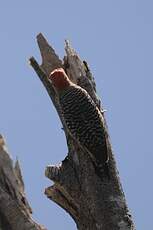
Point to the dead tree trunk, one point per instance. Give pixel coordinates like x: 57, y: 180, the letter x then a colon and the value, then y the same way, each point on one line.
x: 15, y: 212
x: 92, y: 203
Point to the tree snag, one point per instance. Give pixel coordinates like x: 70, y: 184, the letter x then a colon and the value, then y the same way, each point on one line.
x: 92, y: 203
x: 15, y: 211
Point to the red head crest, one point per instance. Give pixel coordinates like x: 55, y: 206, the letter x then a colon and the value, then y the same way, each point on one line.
x: 59, y: 79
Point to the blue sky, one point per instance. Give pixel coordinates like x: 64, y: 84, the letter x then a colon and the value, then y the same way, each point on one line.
x: 116, y: 38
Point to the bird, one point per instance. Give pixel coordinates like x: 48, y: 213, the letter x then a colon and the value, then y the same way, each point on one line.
x: 83, y: 119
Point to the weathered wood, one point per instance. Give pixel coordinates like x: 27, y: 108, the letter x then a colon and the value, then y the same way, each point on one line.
x: 15, y: 211
x: 92, y: 203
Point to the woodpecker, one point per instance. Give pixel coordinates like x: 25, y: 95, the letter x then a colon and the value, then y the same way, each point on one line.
x: 83, y: 119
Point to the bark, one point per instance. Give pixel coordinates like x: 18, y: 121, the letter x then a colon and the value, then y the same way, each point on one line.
x: 92, y: 203
x: 15, y: 211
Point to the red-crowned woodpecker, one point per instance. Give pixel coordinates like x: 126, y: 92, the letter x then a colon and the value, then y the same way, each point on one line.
x: 83, y: 119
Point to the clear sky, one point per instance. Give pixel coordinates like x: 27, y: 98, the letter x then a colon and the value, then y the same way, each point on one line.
x: 116, y: 38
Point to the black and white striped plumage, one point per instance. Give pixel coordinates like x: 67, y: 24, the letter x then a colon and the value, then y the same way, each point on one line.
x: 84, y: 122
